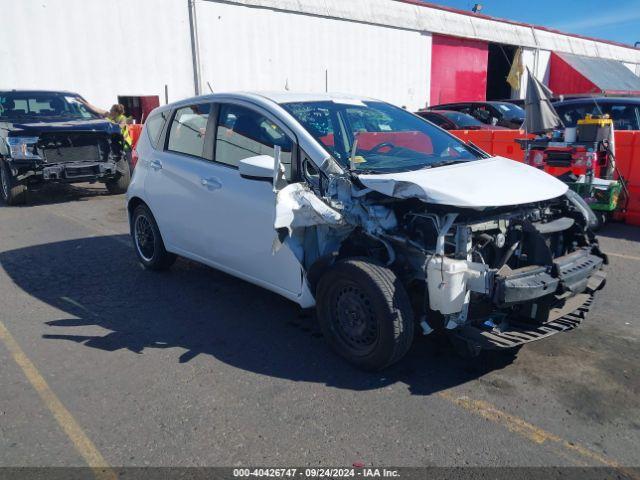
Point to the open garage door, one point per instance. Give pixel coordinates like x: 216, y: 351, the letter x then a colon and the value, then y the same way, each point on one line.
x: 572, y: 74
x: 499, y: 63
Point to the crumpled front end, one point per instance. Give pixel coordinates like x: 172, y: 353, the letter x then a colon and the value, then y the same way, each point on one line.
x: 510, y: 277
x: 65, y: 156
x: 494, y: 277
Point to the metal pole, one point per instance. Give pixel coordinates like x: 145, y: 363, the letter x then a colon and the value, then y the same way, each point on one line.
x: 195, y: 47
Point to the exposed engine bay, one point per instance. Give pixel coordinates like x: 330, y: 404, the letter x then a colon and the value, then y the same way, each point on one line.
x: 484, y: 269
x: 71, y: 156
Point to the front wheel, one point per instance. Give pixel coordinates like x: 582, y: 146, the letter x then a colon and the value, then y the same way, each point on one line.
x: 120, y: 184
x: 147, y: 241
x: 12, y: 193
x: 365, y: 313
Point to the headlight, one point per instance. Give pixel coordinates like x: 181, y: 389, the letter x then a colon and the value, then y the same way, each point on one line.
x: 580, y: 204
x: 23, y: 148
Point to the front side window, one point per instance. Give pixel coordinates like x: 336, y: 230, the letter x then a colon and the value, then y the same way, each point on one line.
x: 243, y: 133
x: 154, y: 125
x: 188, y: 129
x: 389, y: 139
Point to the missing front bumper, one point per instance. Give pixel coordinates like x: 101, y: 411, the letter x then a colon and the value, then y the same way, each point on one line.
x: 78, y: 171
x: 514, y: 332
x: 570, y: 273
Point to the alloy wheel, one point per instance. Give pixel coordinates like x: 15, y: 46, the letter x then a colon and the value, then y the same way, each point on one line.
x: 144, y: 238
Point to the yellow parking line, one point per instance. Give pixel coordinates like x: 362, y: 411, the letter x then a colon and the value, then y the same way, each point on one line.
x: 531, y: 432
x: 628, y: 257
x: 69, y: 425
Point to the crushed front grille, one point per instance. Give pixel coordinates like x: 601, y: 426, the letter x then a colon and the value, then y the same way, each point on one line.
x: 72, y: 172
x: 85, y: 153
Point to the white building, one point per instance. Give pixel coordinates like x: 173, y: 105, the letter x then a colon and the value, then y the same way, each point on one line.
x: 402, y: 51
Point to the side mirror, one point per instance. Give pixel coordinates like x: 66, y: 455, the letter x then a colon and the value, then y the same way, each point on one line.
x: 257, y: 168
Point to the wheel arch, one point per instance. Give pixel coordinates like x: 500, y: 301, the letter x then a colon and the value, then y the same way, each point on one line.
x: 356, y: 245
x: 133, y: 203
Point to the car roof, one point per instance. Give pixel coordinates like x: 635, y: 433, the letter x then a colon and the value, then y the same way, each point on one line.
x: 275, y: 97
x: 443, y: 111
x: 475, y: 102
x: 38, y: 92
x: 603, y: 100
x: 292, y: 97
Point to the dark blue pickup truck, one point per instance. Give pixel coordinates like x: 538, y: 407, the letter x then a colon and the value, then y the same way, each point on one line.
x: 50, y: 136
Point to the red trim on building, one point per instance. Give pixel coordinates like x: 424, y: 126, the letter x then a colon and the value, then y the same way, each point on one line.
x: 565, y: 80
x: 513, y: 22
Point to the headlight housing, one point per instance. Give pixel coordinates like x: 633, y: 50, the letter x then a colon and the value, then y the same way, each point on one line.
x: 23, y: 148
x: 584, y: 208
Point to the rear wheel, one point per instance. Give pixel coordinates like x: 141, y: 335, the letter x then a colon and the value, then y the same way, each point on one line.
x: 12, y: 193
x: 120, y: 184
x: 147, y: 241
x: 365, y: 313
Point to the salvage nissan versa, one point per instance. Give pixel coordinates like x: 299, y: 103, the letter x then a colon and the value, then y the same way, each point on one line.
x: 54, y: 137
x: 382, y: 221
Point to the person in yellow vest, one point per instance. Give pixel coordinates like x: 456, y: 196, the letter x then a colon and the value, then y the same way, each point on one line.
x: 115, y: 115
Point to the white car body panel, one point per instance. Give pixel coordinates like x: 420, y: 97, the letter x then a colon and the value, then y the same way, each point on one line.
x: 492, y: 182
x: 228, y: 224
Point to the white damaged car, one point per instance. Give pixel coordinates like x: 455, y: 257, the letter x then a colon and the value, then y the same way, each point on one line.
x: 385, y: 223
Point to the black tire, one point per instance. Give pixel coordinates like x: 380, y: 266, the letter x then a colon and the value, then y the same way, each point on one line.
x: 147, y: 241
x: 12, y: 193
x: 365, y: 313
x: 603, y: 219
x: 120, y: 184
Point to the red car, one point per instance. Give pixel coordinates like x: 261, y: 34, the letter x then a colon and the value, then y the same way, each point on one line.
x: 450, y: 120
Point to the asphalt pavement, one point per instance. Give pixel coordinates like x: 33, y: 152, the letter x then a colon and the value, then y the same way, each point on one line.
x: 104, y: 363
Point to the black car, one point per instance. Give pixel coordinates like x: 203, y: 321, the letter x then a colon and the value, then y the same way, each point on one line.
x: 55, y: 137
x: 624, y: 111
x: 450, y: 120
x: 503, y: 114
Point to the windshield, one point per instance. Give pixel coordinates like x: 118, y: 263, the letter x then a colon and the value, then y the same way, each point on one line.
x: 625, y: 116
x: 388, y: 138
x: 462, y: 119
x: 23, y: 106
x: 509, y: 110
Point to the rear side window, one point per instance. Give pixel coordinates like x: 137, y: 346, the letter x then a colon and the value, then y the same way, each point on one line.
x: 243, y: 133
x: 188, y: 129
x: 154, y: 125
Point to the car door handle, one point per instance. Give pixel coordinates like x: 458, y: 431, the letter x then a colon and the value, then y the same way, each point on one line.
x: 155, y: 164
x: 211, y: 183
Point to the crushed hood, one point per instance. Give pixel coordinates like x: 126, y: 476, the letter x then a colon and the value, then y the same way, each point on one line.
x: 492, y: 182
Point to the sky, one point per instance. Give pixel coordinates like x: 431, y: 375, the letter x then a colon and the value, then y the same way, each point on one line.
x: 617, y: 20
